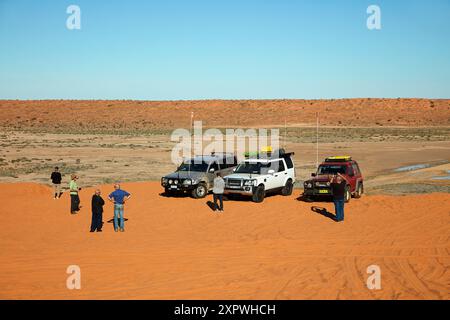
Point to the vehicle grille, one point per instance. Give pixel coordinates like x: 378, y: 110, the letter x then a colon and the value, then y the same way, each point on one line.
x: 323, y: 185
x: 234, y: 182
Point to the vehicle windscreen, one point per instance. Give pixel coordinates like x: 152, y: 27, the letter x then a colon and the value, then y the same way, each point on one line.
x: 252, y: 167
x: 192, y: 166
x: 331, y: 169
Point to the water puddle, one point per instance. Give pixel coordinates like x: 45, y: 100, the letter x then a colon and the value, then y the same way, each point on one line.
x: 412, y: 168
x: 447, y: 177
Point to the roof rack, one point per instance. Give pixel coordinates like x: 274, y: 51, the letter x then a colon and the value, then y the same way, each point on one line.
x: 267, y: 153
x: 338, y: 159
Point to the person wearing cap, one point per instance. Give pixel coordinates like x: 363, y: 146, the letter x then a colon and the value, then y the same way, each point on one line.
x: 119, y: 197
x: 97, y: 211
x: 74, y: 198
x: 56, y: 181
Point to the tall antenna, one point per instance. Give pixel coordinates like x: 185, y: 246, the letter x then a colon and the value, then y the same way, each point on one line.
x: 190, y: 144
x: 317, y: 139
x: 285, y: 132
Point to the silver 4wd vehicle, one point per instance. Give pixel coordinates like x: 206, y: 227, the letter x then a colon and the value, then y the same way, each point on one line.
x: 196, y: 175
x: 257, y: 176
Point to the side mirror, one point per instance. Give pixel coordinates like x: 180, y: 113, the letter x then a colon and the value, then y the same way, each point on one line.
x: 313, y: 174
x: 271, y: 171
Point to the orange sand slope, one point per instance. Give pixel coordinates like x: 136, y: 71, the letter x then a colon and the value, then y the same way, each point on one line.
x: 177, y: 248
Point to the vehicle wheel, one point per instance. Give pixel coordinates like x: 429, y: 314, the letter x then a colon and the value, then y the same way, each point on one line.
x: 348, y: 194
x: 287, y: 189
x: 359, y: 191
x: 200, y: 192
x: 258, y: 195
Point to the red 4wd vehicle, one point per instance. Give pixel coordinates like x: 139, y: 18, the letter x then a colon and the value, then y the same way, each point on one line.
x: 319, y: 184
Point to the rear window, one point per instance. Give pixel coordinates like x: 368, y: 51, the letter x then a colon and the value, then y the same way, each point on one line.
x: 289, y: 162
x: 332, y: 169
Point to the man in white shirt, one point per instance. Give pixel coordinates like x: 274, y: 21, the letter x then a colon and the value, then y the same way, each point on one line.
x: 219, y: 186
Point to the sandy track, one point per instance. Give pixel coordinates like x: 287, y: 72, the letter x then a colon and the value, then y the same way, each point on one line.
x: 178, y: 248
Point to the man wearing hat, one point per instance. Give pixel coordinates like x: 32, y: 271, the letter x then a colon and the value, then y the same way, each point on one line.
x: 74, y: 198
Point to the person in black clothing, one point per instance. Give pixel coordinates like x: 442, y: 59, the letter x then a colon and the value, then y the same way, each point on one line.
x: 338, y: 186
x: 97, y: 211
x: 56, y: 181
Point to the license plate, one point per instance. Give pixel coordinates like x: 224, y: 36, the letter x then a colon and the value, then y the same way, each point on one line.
x: 323, y: 191
x: 173, y: 187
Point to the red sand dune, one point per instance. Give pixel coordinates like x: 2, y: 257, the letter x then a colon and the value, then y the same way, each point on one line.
x: 129, y: 115
x: 177, y: 248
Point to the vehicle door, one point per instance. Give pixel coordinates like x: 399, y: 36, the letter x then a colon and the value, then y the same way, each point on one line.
x: 277, y: 178
x: 351, y: 177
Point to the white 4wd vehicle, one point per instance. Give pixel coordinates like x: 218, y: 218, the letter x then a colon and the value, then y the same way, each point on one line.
x: 258, y: 176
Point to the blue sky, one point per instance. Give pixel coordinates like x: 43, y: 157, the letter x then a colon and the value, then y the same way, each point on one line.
x: 233, y: 49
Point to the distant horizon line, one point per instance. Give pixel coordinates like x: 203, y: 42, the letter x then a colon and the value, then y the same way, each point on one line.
x: 231, y: 99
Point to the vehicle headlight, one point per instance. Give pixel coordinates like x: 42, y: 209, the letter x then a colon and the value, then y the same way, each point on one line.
x: 187, y: 181
x: 317, y: 183
x: 164, y: 180
x: 175, y: 181
x: 328, y: 183
x: 249, y: 182
x: 308, y: 185
x: 170, y: 181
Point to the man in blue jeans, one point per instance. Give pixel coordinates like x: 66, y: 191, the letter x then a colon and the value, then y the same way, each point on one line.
x: 338, y: 186
x: 119, y: 197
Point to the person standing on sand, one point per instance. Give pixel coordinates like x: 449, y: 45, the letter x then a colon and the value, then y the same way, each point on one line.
x: 97, y: 211
x: 218, y: 189
x: 338, y: 185
x: 119, y: 197
x: 56, y: 181
x: 74, y: 198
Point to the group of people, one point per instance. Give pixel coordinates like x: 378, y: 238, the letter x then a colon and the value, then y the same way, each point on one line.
x: 118, y: 197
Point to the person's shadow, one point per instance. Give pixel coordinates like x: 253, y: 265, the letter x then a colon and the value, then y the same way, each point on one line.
x: 112, y: 220
x: 324, y: 212
x: 211, y: 205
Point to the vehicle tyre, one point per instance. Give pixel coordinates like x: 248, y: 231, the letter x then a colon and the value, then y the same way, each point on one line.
x: 359, y: 191
x: 259, y: 194
x: 287, y: 189
x: 348, y: 194
x: 200, y: 191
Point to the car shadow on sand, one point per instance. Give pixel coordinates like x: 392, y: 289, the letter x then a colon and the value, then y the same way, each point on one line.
x: 324, y: 212
x: 302, y: 198
x: 175, y: 195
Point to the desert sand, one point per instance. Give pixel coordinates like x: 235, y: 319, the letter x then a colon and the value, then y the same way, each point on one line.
x: 177, y: 248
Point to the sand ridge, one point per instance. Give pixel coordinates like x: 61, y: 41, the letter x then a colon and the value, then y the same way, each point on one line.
x: 123, y: 115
